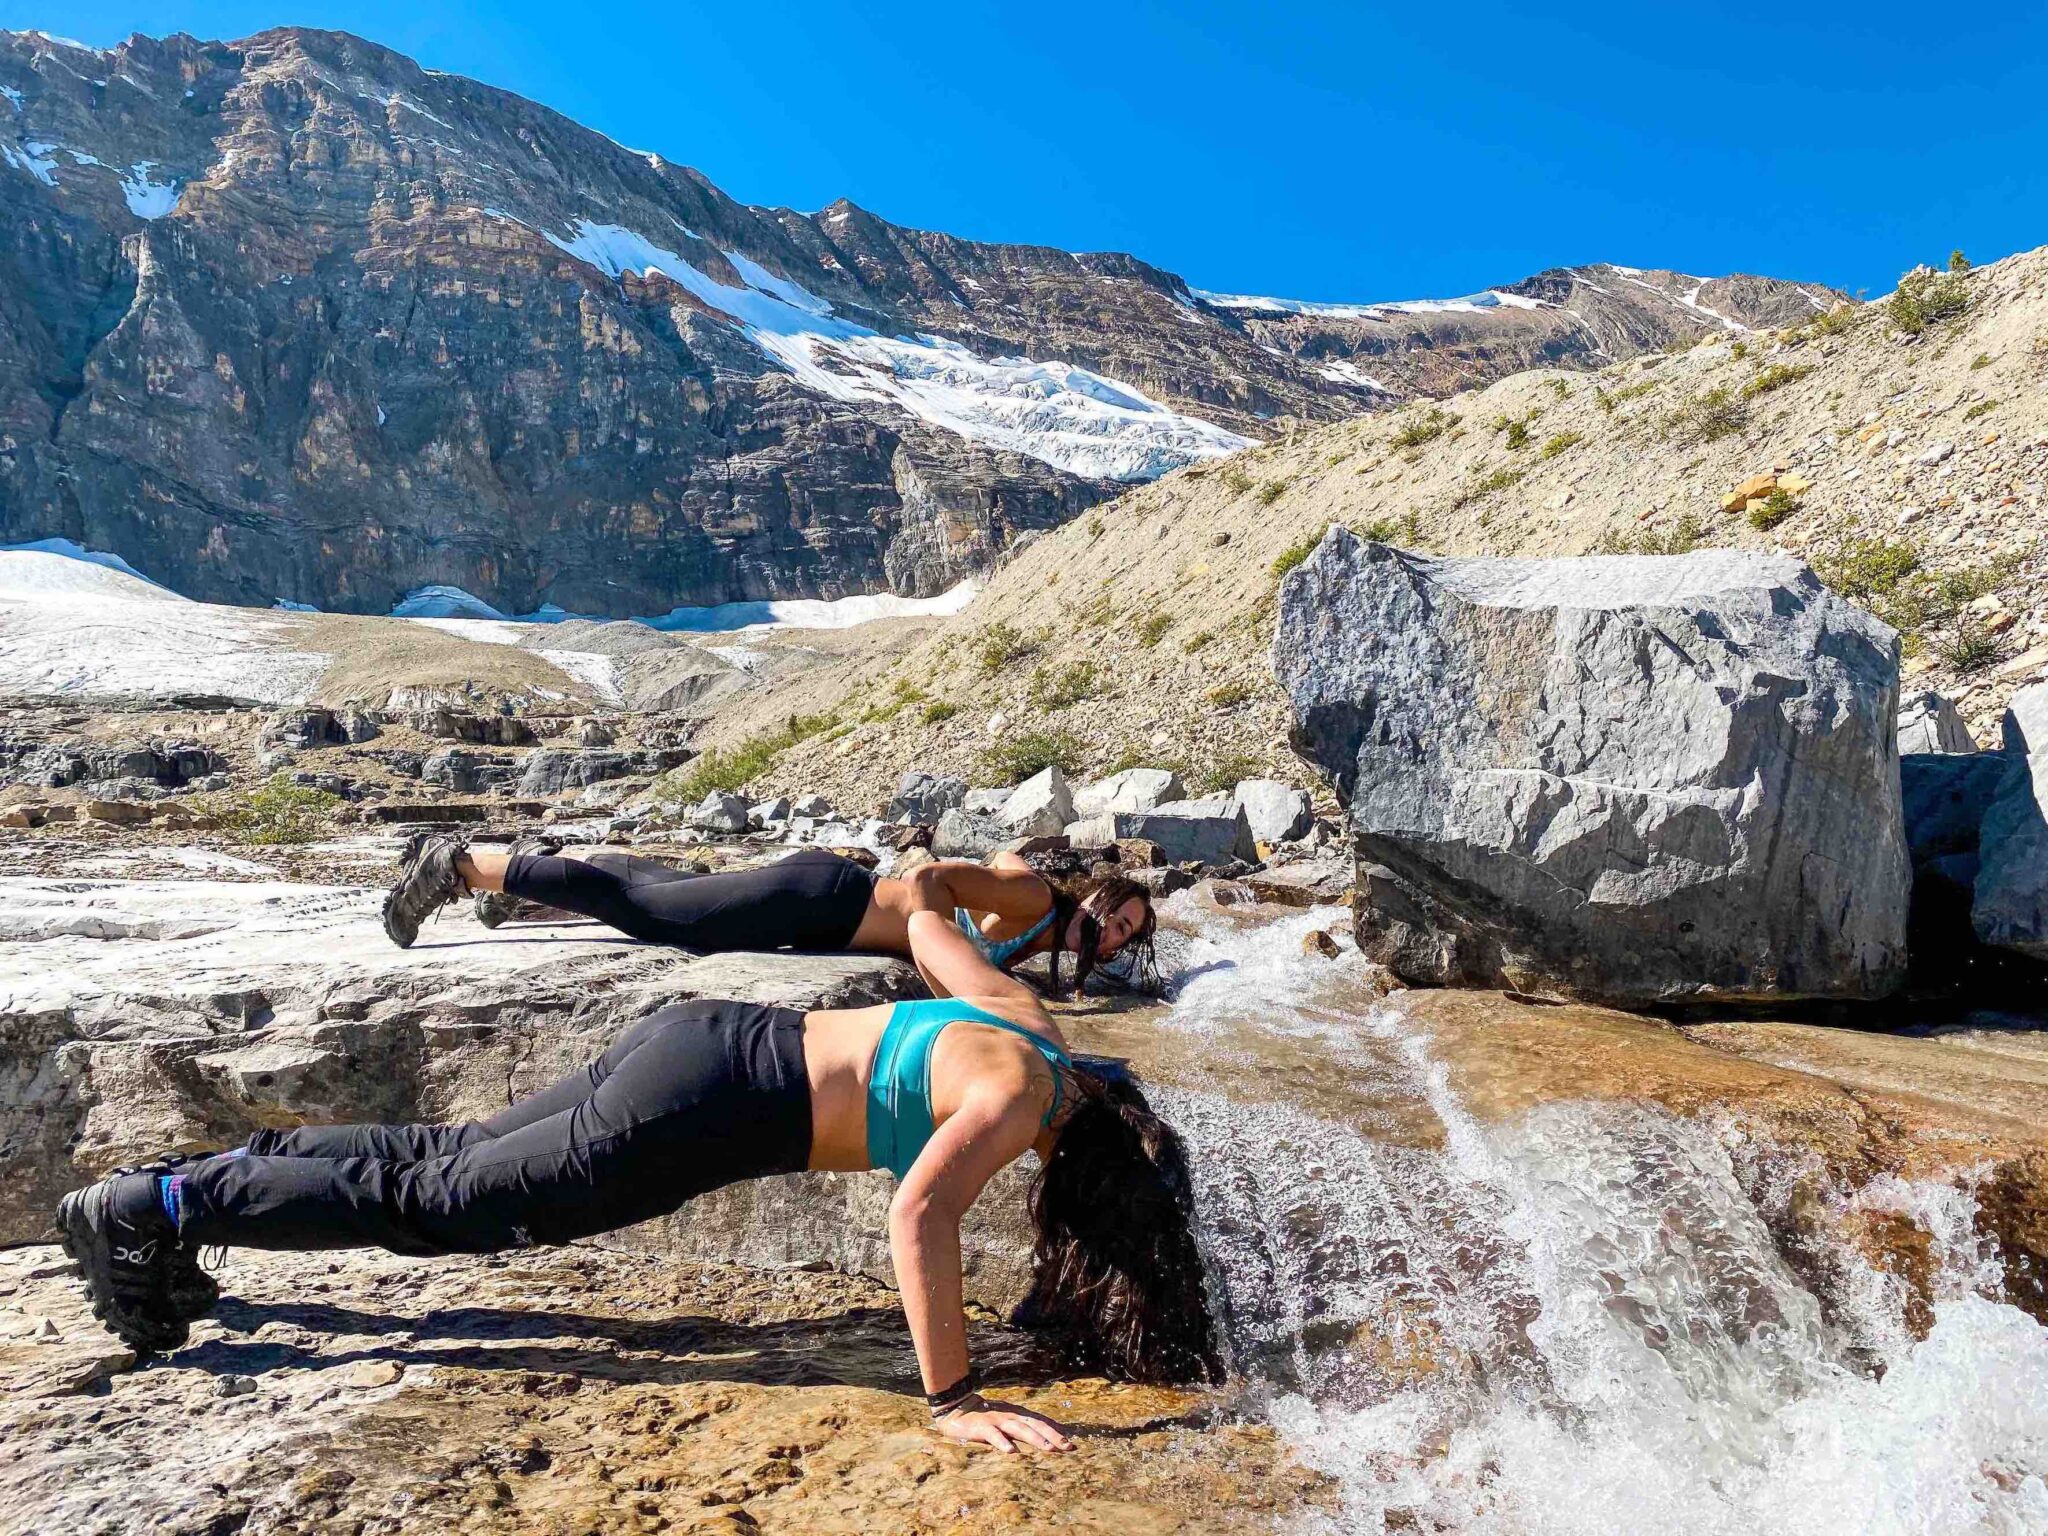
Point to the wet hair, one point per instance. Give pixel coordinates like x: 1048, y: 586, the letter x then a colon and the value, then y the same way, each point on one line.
x: 1096, y: 901
x: 1116, y: 1278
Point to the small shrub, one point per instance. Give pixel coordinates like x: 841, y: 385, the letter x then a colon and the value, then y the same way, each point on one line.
x: 939, y: 709
x: 1776, y: 376
x: 1834, y: 321
x: 1981, y: 408
x: 733, y: 768
x: 1381, y: 530
x: 1681, y: 538
x: 1739, y: 351
x: 1778, y: 506
x: 1866, y: 570
x: 1981, y: 360
x: 1709, y: 416
x: 1485, y: 485
x: 1297, y: 552
x: 1417, y: 430
x: 1958, y: 262
x: 1924, y: 297
x: 1229, y: 695
x: 1515, y: 427
x: 1225, y: 773
x: 1094, y: 527
x: 282, y: 812
x: 1557, y: 387
x: 1197, y: 640
x: 1016, y: 758
x: 1152, y: 628
x: 1273, y: 490
x: 1553, y: 446
x: 999, y: 645
x: 1065, y: 686
x: 1237, y: 480
x: 1966, y: 645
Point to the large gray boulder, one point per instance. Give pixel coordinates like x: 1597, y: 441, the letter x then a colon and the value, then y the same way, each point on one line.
x: 922, y: 798
x: 1945, y: 796
x: 1633, y: 779
x: 2010, y: 908
x: 1039, y: 807
x: 964, y: 834
x: 719, y: 812
x: 2024, y: 729
x: 1278, y: 813
x: 1185, y: 831
x: 1134, y: 789
x: 1930, y: 722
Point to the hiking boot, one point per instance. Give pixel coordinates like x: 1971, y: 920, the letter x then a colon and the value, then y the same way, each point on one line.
x: 193, y: 1292
x: 118, y: 1235
x: 495, y: 907
x: 427, y: 882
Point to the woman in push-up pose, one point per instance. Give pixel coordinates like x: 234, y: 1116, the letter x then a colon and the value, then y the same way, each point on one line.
x: 702, y: 1094
x: 811, y: 900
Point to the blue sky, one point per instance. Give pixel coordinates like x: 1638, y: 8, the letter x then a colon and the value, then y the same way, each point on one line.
x: 1305, y: 150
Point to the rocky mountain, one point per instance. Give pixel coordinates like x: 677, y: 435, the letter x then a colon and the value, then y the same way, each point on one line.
x: 294, y: 319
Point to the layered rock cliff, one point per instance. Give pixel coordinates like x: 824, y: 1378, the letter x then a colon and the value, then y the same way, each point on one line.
x: 292, y: 318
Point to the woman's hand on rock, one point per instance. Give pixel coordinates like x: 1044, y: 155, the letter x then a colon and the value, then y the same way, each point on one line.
x: 1006, y: 1427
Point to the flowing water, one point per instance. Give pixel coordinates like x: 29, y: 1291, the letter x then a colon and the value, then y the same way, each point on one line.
x: 1574, y: 1320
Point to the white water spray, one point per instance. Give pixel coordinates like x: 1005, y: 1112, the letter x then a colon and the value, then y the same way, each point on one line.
x: 1577, y: 1321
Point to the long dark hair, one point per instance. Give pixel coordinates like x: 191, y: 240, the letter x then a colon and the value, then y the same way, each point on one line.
x: 1116, y: 1278
x: 1095, y: 900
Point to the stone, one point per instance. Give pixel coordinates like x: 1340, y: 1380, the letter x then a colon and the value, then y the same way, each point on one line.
x: 1308, y: 883
x: 592, y: 732
x: 924, y: 797
x: 119, y: 812
x: 1134, y: 789
x: 1039, y: 807
x: 1930, y: 722
x: 766, y: 812
x: 555, y: 770
x: 906, y: 836
x: 1278, y: 813
x: 814, y: 806
x: 1638, y: 779
x: 719, y: 812
x: 463, y: 772
x: 2024, y: 729
x: 1934, y: 454
x: 986, y: 801
x: 2010, y: 907
x: 1944, y: 799
x: 21, y: 816
x: 233, y: 1386
x: 365, y: 1374
x: 963, y: 834
x: 1184, y: 831
x: 1318, y: 942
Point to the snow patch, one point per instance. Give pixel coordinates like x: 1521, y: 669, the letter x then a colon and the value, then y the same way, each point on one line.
x: 55, y: 578
x: 1066, y: 416
x: 13, y: 96
x: 148, y: 199
x: 1340, y: 371
x: 598, y: 673
x: 814, y: 613
x: 1469, y: 304
x: 39, y: 160
x: 63, y: 42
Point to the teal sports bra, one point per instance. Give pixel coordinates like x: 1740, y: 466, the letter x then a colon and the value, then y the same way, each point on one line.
x: 900, y: 1082
x: 998, y: 952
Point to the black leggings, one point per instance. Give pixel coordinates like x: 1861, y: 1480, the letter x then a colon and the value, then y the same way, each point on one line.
x: 810, y: 900
x: 694, y: 1096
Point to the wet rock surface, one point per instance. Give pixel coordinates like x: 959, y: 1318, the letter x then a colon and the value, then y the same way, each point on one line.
x: 1680, y: 780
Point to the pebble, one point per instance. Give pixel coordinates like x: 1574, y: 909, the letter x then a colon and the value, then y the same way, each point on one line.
x: 234, y: 1386
x: 373, y: 1373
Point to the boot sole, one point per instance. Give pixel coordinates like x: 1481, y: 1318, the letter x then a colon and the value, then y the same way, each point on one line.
x: 88, y: 1250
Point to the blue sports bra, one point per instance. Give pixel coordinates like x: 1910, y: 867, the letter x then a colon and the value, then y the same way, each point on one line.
x: 900, y: 1082
x: 998, y: 952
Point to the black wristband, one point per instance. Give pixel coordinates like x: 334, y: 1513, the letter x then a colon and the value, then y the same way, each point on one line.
x: 948, y: 1398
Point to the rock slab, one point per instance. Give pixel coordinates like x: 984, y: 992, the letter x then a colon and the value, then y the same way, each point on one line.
x: 2010, y: 908
x: 1930, y: 722
x: 1635, y: 779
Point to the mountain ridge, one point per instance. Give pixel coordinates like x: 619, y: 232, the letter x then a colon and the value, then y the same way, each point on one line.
x: 294, y: 319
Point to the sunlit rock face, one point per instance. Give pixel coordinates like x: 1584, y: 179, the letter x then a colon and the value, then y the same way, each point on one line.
x: 1634, y: 779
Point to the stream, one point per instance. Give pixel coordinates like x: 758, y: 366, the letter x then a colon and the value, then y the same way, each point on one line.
x: 1574, y: 1319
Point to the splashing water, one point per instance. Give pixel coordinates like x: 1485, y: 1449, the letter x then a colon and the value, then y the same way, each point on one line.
x: 1576, y: 1321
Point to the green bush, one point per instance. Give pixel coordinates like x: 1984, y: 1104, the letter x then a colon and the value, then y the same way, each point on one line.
x: 1014, y: 759
x: 1778, y: 506
x: 1058, y: 688
x: 1229, y: 695
x: 1709, y: 416
x: 1958, y: 262
x: 1924, y: 297
x: 1981, y: 360
x: 1981, y: 408
x: 1867, y: 569
x: 1776, y: 376
x: 1417, y: 430
x: 1225, y: 773
x: 282, y: 812
x: 1681, y: 538
x: 1297, y: 552
x: 1966, y: 645
x: 939, y: 709
x: 1197, y: 640
x: 1516, y: 428
x: 1237, y: 480
x: 999, y: 645
x: 1553, y: 446
x: 1273, y: 490
x: 1152, y: 628
x: 733, y: 768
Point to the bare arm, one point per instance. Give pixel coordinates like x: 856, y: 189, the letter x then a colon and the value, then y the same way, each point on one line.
x: 982, y: 1136
x: 1006, y: 886
x: 950, y: 965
